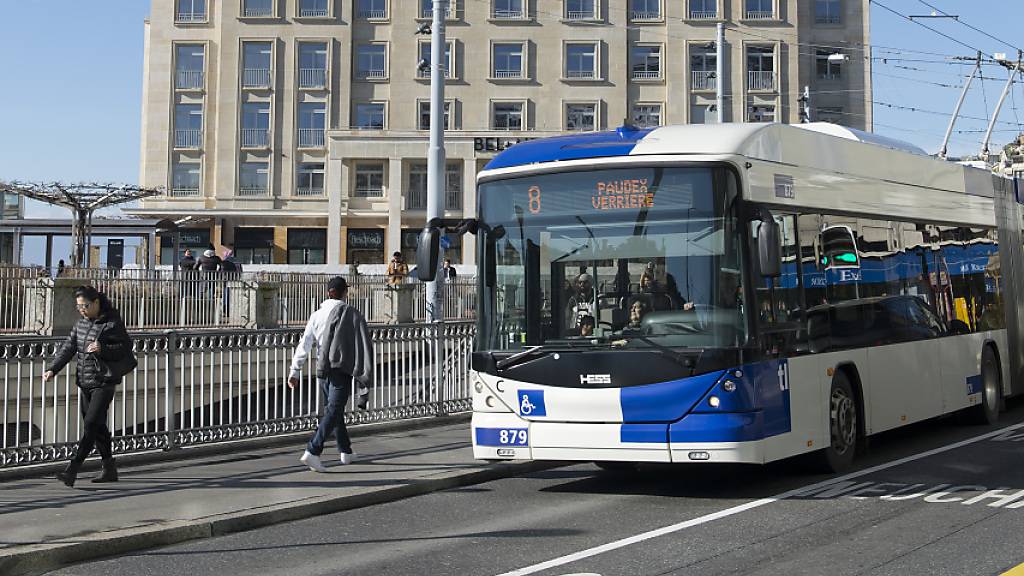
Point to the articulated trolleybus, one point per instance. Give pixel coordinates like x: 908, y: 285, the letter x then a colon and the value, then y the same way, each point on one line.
x: 737, y: 293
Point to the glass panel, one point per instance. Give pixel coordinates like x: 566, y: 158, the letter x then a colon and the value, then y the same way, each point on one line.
x: 371, y: 60
x: 370, y: 116
x: 508, y: 116
x: 508, y: 60
x: 581, y: 117
x: 580, y: 60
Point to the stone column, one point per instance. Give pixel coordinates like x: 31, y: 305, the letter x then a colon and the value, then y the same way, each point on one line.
x: 469, y: 209
x: 393, y: 235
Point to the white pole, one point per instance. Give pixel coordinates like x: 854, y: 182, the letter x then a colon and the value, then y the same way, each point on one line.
x: 435, y: 156
x: 959, y: 104
x: 720, y: 72
x: 995, y: 113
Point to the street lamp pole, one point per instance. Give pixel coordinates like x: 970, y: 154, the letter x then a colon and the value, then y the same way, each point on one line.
x: 436, y: 155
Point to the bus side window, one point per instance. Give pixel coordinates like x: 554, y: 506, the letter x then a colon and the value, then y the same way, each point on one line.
x: 779, y: 300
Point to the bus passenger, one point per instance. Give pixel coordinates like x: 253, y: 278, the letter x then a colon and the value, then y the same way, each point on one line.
x: 638, y: 308
x: 582, y: 302
x: 587, y: 326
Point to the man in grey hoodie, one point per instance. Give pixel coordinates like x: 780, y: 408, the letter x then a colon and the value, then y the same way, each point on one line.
x: 345, y: 358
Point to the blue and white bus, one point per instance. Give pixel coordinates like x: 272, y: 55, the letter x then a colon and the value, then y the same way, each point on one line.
x: 737, y: 293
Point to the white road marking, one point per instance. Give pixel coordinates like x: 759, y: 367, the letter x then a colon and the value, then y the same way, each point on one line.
x: 590, y: 552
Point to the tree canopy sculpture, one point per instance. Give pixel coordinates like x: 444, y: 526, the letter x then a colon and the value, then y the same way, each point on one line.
x: 82, y: 199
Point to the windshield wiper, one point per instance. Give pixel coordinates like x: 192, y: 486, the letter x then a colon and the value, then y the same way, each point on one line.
x: 534, y: 352
x: 683, y: 360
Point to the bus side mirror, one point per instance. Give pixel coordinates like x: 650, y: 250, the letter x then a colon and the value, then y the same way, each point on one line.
x: 769, y: 249
x: 428, y: 251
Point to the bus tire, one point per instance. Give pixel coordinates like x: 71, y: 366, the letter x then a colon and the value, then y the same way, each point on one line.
x: 987, y: 412
x: 844, y: 427
x: 609, y: 466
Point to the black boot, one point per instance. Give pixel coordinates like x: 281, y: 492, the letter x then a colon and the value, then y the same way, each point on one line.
x: 70, y: 474
x: 109, y: 473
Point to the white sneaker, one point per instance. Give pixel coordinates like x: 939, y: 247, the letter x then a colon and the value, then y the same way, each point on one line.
x: 313, y: 461
x: 347, y: 458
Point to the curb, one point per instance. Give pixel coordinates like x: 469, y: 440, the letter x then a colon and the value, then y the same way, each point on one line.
x: 204, y: 450
x: 40, y: 558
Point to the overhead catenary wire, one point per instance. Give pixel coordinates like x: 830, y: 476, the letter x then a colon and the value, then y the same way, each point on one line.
x: 975, y: 28
x: 935, y: 30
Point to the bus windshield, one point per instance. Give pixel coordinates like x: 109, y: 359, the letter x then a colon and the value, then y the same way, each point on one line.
x: 639, y: 256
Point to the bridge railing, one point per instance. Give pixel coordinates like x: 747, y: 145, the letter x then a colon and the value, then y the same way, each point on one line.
x: 206, y: 387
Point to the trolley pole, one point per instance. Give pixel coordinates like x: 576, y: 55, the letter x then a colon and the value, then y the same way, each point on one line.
x: 959, y: 103
x: 720, y: 72
x: 436, y: 155
x: 1014, y: 68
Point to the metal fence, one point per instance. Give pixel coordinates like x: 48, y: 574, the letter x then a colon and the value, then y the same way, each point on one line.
x: 195, y: 388
x: 164, y: 299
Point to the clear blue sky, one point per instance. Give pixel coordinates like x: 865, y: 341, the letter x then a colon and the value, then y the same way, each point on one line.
x: 72, y: 74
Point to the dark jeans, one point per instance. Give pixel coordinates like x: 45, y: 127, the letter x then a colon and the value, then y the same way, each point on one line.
x: 95, y: 403
x: 336, y: 388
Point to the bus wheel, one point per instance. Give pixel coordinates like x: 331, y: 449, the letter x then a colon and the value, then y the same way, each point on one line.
x: 617, y: 466
x: 843, y: 427
x: 991, y: 390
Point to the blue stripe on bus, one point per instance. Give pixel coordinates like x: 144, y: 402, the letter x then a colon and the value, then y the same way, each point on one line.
x: 974, y: 384
x: 725, y: 427
x: 665, y: 401
x: 644, y: 433
x: 572, y: 147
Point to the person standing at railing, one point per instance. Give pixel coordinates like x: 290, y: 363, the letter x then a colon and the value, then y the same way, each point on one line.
x: 188, y: 262
x: 448, y: 272
x: 103, y: 351
x: 339, y: 327
x: 397, y: 270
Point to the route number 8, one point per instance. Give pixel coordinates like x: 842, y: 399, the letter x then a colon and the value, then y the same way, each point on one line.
x: 534, y: 193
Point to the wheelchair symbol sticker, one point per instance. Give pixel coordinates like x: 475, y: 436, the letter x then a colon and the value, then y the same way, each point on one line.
x: 531, y: 403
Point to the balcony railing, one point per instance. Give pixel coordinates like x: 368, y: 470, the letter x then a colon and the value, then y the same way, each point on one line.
x: 513, y: 14
x: 760, y: 80
x: 428, y: 13
x: 646, y: 74
x: 373, y: 14
x: 581, y: 15
x: 311, y: 137
x: 312, y: 77
x: 507, y: 74
x: 702, y: 80
x: 190, y: 139
x: 369, y: 192
x: 255, y: 138
x: 251, y: 190
x: 373, y: 74
x: 189, y: 17
x: 256, y: 78
x: 258, y: 10
x: 827, y: 19
x: 646, y: 15
x: 703, y: 14
x: 309, y: 191
x: 189, y: 79
x: 416, y: 200
x: 580, y: 74
x: 759, y: 14
x: 313, y: 13
x: 830, y: 76
x: 184, y: 191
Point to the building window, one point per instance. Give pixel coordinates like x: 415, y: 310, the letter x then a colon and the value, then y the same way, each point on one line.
x: 646, y: 115
x: 195, y: 239
x: 581, y: 117
x: 423, y: 118
x: 185, y: 178
x: 369, y: 180
x: 416, y: 198
x: 826, y: 67
x: 646, y: 62
x: 759, y: 9
x: 365, y: 247
x: 312, y: 123
x: 373, y: 9
x: 828, y: 11
x: 508, y: 60
x: 312, y: 65
x: 256, y: 125
x: 508, y: 116
x: 761, y: 113
x: 190, y: 11
x: 314, y: 8
x: 307, y: 245
x: 581, y: 9
x: 257, y: 8
x: 254, y: 245
x: 370, y: 116
x: 449, y: 59
x: 581, y: 60
x: 703, y: 9
x: 372, y: 61
x: 188, y: 126
x: 645, y: 10
x: 703, y: 62
x: 509, y: 10
x: 10, y: 207
x: 254, y: 179
x: 703, y: 114
x: 833, y: 114
x: 760, y: 68
x: 189, y: 62
x: 256, y: 62
x: 427, y: 9
x: 310, y: 179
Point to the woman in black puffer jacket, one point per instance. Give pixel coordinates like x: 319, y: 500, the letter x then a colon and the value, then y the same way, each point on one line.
x: 103, y: 350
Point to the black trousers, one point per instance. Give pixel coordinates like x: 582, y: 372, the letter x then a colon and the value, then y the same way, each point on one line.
x: 95, y: 434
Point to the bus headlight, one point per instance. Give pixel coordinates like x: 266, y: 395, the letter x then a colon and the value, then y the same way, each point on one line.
x: 490, y: 401
x: 479, y: 387
x: 714, y: 401
x: 729, y: 386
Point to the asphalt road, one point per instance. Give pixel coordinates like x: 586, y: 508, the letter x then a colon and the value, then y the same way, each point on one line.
x: 922, y: 501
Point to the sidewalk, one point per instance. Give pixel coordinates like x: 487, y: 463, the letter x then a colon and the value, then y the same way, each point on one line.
x: 44, y: 524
